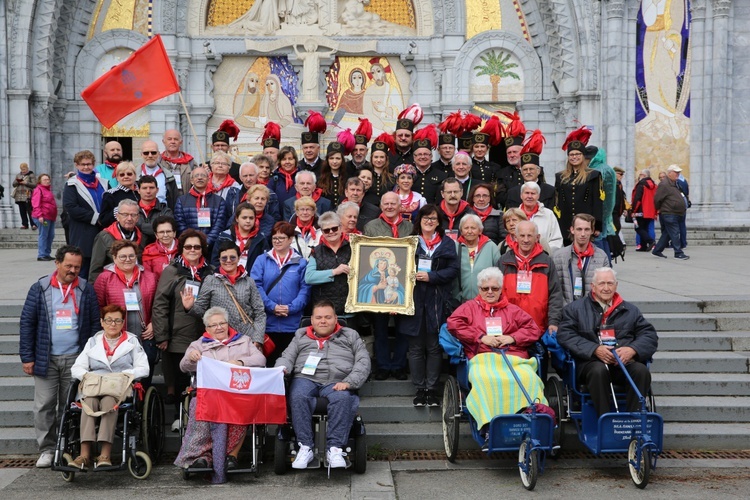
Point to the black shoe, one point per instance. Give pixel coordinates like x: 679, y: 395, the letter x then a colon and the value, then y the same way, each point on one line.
x: 659, y: 254
x: 421, y: 398
x: 231, y: 463
x: 201, y: 463
x: 682, y: 256
x: 432, y: 398
x: 399, y: 374
x: 381, y: 375
x: 40, y: 259
x: 486, y: 445
x: 49, y: 257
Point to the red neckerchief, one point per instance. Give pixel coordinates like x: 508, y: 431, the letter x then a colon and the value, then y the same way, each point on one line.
x: 483, y: 214
x: 232, y: 335
x: 169, y: 252
x: 90, y: 185
x: 111, y: 352
x: 325, y: 242
x: 524, y: 263
x: 114, y: 230
x: 111, y: 165
x: 183, y: 159
x: 200, y: 199
x: 529, y: 215
x: 243, y: 243
x: 128, y: 284
x: 406, y: 202
x: 280, y: 262
x: 228, y: 182
x: 616, y: 301
x: 316, y: 194
x: 321, y: 342
x: 480, y: 243
x: 307, y: 228
x: 233, y: 279
x: 353, y: 231
x: 488, y: 308
x: 264, y: 182
x: 452, y: 215
x: 288, y: 177
x: 394, y: 225
x: 589, y: 252
x: 194, y: 270
x: 147, y: 207
x: 70, y: 292
x: 155, y: 174
x: 434, y: 243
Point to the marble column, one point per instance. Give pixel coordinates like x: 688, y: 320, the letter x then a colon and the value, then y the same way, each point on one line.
x: 40, y: 109
x: 721, y: 134
x: 615, y: 83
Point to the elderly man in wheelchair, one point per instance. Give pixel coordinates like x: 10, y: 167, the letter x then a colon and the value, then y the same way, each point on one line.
x: 327, y: 361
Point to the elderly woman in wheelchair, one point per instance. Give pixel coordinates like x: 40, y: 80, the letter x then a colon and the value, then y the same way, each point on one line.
x: 111, y: 351
x: 484, y: 326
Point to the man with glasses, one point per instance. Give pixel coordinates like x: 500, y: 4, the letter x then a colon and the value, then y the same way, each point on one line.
x: 202, y: 210
x: 61, y: 312
x: 428, y: 179
x: 150, y: 208
x: 168, y: 190
x: 124, y: 228
x: 453, y: 208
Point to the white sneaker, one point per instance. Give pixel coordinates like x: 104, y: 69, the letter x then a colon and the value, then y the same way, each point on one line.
x: 45, y: 459
x: 176, y: 425
x: 304, y: 457
x: 335, y: 457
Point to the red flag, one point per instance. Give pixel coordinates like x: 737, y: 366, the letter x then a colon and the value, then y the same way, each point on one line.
x: 146, y: 76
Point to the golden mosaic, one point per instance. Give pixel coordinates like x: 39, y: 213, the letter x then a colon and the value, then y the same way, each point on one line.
x: 119, y: 15
x: 482, y: 15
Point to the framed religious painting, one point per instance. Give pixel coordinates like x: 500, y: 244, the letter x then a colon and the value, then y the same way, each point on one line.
x: 382, y: 275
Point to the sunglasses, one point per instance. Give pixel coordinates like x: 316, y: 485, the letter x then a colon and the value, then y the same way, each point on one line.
x: 329, y: 230
x: 192, y: 247
x: 150, y: 153
x: 488, y: 288
x: 228, y: 258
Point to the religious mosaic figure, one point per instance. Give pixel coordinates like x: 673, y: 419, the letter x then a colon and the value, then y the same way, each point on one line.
x: 275, y: 106
x: 382, y: 102
x: 247, y: 102
x: 352, y: 99
x: 262, y: 19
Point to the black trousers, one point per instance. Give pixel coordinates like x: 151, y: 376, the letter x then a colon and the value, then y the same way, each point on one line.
x: 595, y: 375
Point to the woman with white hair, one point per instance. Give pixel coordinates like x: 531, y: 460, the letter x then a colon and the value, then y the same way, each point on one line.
x: 484, y: 325
x: 477, y: 252
x: 543, y: 218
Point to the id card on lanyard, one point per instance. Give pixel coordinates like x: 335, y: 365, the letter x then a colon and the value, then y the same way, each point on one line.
x: 523, y: 282
x: 193, y: 286
x: 64, y: 319
x: 204, y: 217
x: 424, y: 264
x: 311, y: 364
x: 131, y: 301
x: 494, y: 326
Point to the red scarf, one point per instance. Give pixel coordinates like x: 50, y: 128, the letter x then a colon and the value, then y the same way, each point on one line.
x: 509, y: 240
x: 232, y: 335
x: 394, y: 225
x: 128, y: 284
x: 316, y: 194
x: 228, y: 182
x: 158, y: 172
x: 321, y: 341
x: 114, y: 230
x: 279, y: 262
x: 616, y: 301
x: 434, y: 243
x: 480, y: 243
x: 239, y: 272
x: 529, y: 215
x: 452, y: 215
x: 111, y: 352
x: 489, y: 309
x: 353, y: 231
x: 288, y: 177
x: 91, y: 185
x: 589, y: 252
x: 483, y: 214
x: 243, y: 243
x: 194, y: 270
x: 263, y: 182
x: 147, y: 207
x: 524, y: 263
x: 111, y: 165
x: 307, y: 228
x: 200, y: 199
x: 183, y: 159
x: 406, y: 202
x: 70, y: 292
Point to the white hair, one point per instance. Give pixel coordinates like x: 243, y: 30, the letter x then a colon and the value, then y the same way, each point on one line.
x: 531, y: 185
x: 345, y: 207
x: 471, y: 218
x: 249, y: 164
x: 215, y: 311
x: 306, y: 172
x: 490, y: 273
x: 601, y: 270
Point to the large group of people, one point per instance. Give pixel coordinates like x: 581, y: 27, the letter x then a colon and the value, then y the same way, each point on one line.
x: 225, y: 259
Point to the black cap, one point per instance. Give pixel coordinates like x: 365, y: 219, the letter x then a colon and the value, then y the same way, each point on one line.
x: 219, y: 136
x: 422, y: 144
x: 270, y: 142
x: 405, y: 124
x: 310, y: 138
x: 335, y: 147
x: 466, y: 141
x: 446, y: 139
x: 360, y: 139
x: 379, y: 146
x: 480, y: 138
x: 514, y: 141
x: 530, y: 158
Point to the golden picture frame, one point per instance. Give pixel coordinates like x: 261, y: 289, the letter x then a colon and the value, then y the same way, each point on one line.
x: 382, y: 275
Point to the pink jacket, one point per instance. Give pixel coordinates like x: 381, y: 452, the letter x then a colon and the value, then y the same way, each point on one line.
x: 43, y: 203
x: 240, y: 349
x: 110, y: 290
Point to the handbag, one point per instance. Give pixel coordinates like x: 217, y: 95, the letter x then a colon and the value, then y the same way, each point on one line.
x: 116, y: 385
x: 268, y: 345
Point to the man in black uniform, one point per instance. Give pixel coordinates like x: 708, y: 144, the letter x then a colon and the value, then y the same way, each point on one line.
x: 532, y: 172
x: 404, y: 137
x: 428, y: 179
x: 483, y: 169
x: 311, y: 159
x: 446, y: 150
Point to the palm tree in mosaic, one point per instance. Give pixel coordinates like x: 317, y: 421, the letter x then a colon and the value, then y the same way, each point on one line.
x: 496, y: 66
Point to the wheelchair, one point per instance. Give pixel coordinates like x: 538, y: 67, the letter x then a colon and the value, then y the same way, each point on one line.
x: 286, y: 443
x: 140, y: 431
x: 528, y: 433
x: 639, y: 434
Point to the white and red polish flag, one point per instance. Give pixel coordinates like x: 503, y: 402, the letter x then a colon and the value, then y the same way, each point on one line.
x: 231, y: 394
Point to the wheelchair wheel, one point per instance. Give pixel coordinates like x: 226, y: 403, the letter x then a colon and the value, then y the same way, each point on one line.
x: 68, y: 477
x: 152, y: 424
x: 140, y: 465
x: 360, y: 454
x: 184, y: 415
x: 279, y: 457
x: 642, y: 474
x: 451, y: 417
x: 651, y: 401
x: 555, y: 394
x: 528, y: 464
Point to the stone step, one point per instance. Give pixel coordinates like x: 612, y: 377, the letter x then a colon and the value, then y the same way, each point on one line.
x: 700, y: 362
x: 10, y: 366
x: 388, y: 388
x: 704, y: 341
x: 9, y: 326
x: 18, y: 441
x: 17, y: 388
x: 706, y: 436
x: 704, y: 408
x: 396, y: 409
x: 11, y: 309
x: 16, y: 413
x: 704, y: 384
x: 682, y: 322
x: 9, y: 344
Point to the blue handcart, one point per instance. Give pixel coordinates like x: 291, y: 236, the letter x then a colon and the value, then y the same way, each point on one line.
x: 640, y: 433
x: 531, y: 434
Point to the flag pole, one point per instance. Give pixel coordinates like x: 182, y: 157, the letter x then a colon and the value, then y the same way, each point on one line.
x: 192, y: 129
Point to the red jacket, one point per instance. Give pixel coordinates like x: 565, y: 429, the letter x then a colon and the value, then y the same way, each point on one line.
x: 110, y: 290
x: 468, y: 326
x: 643, y: 199
x: 155, y: 259
x: 44, y: 203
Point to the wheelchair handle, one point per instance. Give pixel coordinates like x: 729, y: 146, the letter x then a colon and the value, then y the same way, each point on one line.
x: 641, y: 399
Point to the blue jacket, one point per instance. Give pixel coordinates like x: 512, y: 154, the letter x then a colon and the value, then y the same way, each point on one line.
x: 291, y: 290
x: 186, y: 215
x: 323, y: 205
x: 35, y: 331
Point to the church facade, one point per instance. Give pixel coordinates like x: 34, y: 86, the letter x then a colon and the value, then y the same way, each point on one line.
x: 659, y: 82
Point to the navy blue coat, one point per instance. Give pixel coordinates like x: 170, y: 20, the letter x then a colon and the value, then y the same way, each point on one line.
x: 82, y: 214
x: 258, y: 245
x: 35, y: 332
x: 186, y: 215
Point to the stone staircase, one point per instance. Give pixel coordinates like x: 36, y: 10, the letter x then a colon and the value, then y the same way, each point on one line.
x: 700, y: 378
x: 27, y: 238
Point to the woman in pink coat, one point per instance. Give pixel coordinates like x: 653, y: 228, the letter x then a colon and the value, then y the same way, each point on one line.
x: 44, y: 214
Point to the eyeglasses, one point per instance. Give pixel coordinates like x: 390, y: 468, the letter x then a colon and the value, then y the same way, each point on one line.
x: 192, y: 247
x: 213, y: 326
x: 200, y: 176
x: 113, y: 321
x: 575, y: 155
x: 430, y: 219
x: 165, y: 233
x: 329, y: 230
x: 481, y: 195
x: 126, y: 257
x: 219, y: 163
x: 85, y: 164
x: 228, y: 258
x: 127, y: 216
x: 150, y: 153
x: 125, y: 174
x: 489, y: 288
x: 279, y: 238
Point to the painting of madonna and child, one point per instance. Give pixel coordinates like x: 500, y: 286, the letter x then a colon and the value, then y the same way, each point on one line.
x: 383, y: 275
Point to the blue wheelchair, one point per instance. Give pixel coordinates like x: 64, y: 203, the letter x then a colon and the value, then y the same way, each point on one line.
x: 529, y: 433
x: 640, y: 434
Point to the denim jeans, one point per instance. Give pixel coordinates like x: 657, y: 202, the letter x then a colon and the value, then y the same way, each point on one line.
x: 383, y: 347
x: 46, y: 236
x: 342, y: 408
x: 670, y: 234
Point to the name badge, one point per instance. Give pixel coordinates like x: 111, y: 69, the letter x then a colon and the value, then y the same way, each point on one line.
x: 578, y: 287
x: 64, y: 319
x: 178, y: 179
x: 204, y: 217
x: 424, y: 264
x: 243, y: 260
x: 131, y: 301
x: 193, y: 286
x: 607, y: 336
x: 311, y: 364
x: 523, y: 282
x: 452, y: 234
x: 494, y: 326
